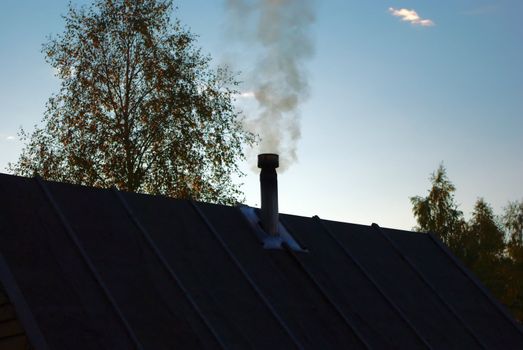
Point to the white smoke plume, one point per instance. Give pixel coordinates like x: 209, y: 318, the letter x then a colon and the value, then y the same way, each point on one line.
x: 277, y: 79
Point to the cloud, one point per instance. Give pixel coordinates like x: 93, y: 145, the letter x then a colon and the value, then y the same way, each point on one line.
x: 10, y: 138
x: 410, y: 16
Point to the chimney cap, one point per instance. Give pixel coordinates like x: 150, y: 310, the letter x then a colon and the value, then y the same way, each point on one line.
x: 268, y: 160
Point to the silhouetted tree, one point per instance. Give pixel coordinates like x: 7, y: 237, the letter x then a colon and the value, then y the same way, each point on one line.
x: 485, y: 246
x: 479, y: 243
x: 139, y: 107
x: 513, y: 222
x: 438, y: 213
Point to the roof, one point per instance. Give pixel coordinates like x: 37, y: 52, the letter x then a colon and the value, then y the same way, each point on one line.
x: 90, y: 268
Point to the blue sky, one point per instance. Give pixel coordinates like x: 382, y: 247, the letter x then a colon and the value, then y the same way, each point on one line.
x: 389, y: 100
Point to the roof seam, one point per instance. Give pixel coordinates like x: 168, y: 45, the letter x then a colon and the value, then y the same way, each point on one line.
x: 324, y: 293
x: 467, y: 274
x: 245, y: 274
x: 373, y: 282
x: 428, y: 284
x: 72, y: 235
x: 166, y: 266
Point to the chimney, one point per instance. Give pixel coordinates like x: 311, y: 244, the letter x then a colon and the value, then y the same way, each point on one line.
x: 268, y: 162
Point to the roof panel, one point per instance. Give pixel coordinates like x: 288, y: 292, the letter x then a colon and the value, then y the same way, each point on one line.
x: 55, y: 282
x: 300, y: 304
x: 209, y: 274
x: 404, y: 286
x: 351, y: 286
x: 131, y: 272
x: 104, y: 269
x: 478, y: 311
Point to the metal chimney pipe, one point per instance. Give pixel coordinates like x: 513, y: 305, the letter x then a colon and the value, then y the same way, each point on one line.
x: 268, y: 162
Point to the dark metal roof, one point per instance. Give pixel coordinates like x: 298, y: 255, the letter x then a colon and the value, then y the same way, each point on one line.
x: 89, y: 268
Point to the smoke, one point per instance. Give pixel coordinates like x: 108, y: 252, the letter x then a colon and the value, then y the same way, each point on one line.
x: 279, y: 33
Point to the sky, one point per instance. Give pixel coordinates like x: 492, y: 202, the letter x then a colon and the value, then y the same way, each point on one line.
x: 395, y: 89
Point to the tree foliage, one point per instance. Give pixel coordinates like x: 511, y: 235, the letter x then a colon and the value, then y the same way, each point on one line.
x: 485, y: 246
x: 513, y: 223
x: 438, y: 212
x: 490, y: 246
x: 139, y: 107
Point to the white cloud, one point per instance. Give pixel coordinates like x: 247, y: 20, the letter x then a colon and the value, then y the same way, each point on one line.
x: 410, y: 16
x: 10, y: 138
